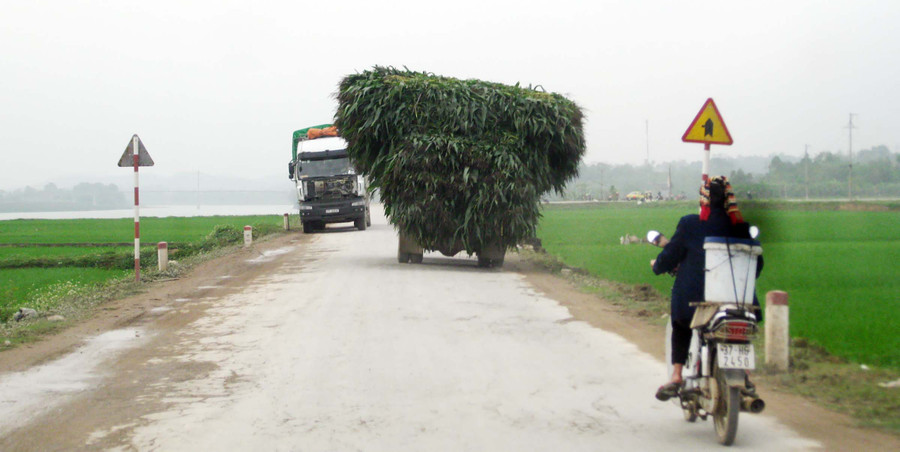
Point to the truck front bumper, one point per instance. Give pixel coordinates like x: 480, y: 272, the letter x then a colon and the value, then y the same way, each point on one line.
x: 332, y: 212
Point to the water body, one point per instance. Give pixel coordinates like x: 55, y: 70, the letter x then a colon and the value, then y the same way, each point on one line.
x: 158, y: 211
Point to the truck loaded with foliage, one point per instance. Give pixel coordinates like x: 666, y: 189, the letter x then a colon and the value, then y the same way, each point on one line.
x: 460, y: 164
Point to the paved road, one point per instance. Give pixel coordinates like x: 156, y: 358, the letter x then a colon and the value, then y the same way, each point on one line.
x: 342, y: 348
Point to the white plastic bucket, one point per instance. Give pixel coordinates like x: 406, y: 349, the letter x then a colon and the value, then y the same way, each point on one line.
x: 730, y: 269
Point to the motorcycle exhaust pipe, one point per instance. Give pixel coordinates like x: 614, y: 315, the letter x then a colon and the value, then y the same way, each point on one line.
x: 753, y: 405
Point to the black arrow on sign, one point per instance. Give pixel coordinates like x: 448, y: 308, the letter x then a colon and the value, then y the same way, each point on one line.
x: 708, y: 127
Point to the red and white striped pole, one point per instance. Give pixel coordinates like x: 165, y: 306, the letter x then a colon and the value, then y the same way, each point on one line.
x: 135, y: 143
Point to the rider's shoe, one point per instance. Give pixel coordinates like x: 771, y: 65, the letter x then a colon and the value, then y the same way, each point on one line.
x: 667, y: 391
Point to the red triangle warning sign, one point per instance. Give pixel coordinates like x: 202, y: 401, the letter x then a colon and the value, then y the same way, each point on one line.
x: 708, y: 127
x: 128, y: 156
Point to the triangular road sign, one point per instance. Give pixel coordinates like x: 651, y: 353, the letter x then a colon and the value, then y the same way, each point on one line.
x: 128, y: 156
x: 708, y: 127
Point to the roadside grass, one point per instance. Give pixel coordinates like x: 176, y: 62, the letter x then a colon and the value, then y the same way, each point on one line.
x: 33, y: 287
x: 832, y: 382
x: 69, y: 280
x: 77, y: 300
x: 839, y: 268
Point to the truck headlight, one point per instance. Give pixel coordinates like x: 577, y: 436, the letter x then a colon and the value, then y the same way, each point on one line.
x: 302, y: 207
x: 359, y: 203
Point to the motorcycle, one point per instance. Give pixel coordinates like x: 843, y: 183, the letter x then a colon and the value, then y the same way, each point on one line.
x: 721, y: 354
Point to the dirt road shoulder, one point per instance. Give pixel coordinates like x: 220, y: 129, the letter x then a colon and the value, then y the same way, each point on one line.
x: 835, y: 431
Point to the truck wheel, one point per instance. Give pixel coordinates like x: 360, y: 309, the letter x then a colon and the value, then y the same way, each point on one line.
x: 415, y: 258
x: 402, y: 257
x: 307, y: 227
x: 486, y: 262
x: 491, y: 256
x: 360, y: 224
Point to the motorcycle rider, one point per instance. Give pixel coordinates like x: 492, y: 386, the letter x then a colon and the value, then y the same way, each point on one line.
x: 684, y: 254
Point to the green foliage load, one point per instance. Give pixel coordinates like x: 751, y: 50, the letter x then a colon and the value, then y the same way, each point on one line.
x: 460, y: 162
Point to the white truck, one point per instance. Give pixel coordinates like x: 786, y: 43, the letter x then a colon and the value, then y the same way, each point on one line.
x: 328, y: 188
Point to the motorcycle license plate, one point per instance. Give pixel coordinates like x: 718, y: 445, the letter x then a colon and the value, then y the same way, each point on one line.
x: 332, y: 210
x: 736, y: 356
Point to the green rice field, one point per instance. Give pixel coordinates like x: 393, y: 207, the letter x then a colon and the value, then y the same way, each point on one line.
x: 121, y: 230
x: 30, y: 270
x: 840, y: 268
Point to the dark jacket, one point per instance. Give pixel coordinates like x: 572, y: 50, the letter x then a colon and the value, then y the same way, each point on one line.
x: 685, y: 251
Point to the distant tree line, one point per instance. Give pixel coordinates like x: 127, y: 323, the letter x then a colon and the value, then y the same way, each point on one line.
x: 84, y: 196
x: 875, y: 174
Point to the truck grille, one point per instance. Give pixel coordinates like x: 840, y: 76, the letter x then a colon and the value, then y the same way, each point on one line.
x: 330, y: 188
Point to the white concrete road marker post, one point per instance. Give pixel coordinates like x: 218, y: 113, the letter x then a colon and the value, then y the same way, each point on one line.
x: 162, y: 255
x: 248, y: 235
x: 778, y: 351
x: 136, y: 155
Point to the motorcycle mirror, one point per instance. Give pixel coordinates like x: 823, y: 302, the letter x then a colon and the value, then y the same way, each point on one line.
x: 754, y: 232
x: 653, y: 236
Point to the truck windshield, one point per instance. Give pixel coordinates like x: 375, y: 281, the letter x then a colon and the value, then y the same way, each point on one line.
x: 320, y: 168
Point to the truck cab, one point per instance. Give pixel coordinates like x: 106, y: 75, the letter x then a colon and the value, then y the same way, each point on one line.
x: 328, y: 188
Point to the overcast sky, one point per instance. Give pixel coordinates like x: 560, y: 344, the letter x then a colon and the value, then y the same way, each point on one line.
x: 219, y: 86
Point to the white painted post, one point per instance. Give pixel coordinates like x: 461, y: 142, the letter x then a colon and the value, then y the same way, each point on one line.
x: 287, y: 222
x: 705, y: 168
x: 777, y: 333
x: 162, y: 254
x: 248, y: 235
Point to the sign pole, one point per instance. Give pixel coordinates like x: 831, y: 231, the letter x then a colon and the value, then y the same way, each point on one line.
x: 136, y: 155
x: 705, y: 175
x: 137, y: 213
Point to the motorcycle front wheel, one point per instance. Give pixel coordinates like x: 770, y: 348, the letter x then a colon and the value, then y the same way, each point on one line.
x: 727, y: 409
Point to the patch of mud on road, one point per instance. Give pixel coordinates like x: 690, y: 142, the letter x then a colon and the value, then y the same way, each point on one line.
x: 26, y: 395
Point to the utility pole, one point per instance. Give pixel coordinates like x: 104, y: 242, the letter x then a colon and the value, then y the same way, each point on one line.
x: 806, y: 170
x: 850, y: 128
x: 647, y: 133
x: 669, y: 181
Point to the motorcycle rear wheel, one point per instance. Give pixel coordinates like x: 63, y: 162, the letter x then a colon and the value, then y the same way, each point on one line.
x: 726, y: 413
